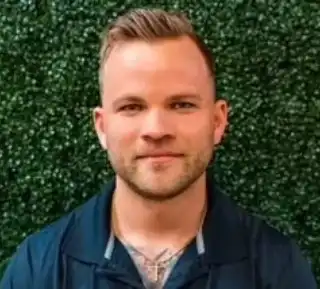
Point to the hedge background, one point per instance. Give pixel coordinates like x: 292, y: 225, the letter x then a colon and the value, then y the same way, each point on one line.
x: 268, y: 59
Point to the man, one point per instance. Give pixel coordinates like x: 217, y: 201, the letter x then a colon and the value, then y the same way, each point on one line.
x: 161, y: 222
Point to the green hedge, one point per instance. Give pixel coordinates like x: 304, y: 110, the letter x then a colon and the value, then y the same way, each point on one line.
x: 268, y: 69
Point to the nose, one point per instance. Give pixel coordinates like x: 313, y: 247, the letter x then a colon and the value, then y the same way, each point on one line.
x: 156, y: 126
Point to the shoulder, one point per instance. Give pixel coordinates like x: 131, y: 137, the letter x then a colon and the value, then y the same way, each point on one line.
x: 255, y: 230
x: 262, y: 235
x: 276, y: 256
x: 48, y: 240
x: 40, y: 251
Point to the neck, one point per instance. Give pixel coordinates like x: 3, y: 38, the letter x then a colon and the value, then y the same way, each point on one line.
x: 143, y: 222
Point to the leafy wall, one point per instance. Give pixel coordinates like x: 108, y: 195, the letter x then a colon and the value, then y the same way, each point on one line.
x: 267, y: 55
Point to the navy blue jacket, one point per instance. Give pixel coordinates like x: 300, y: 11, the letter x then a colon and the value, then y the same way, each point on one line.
x: 235, y: 251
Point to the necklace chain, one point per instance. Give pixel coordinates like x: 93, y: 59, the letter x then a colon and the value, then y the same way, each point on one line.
x: 156, y: 259
x: 156, y: 268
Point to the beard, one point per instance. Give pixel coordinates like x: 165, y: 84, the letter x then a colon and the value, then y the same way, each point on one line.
x: 160, y: 182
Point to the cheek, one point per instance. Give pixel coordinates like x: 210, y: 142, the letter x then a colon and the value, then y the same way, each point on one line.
x: 120, y: 136
x: 199, y: 137
x: 198, y: 129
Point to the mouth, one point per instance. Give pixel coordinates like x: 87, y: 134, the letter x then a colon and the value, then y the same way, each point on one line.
x: 160, y: 157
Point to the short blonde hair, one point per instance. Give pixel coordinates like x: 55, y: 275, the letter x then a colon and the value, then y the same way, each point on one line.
x: 150, y: 25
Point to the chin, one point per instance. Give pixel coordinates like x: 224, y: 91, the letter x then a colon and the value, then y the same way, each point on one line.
x: 158, y: 195
x: 161, y: 189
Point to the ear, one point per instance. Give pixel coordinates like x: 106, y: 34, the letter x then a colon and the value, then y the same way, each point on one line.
x: 100, y: 126
x: 220, y: 120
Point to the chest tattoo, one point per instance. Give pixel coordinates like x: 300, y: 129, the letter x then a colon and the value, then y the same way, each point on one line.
x: 154, y: 271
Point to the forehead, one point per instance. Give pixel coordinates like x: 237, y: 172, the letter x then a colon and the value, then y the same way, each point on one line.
x: 163, y: 64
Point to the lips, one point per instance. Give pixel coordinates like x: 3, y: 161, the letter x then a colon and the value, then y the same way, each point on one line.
x: 160, y: 159
x: 160, y: 155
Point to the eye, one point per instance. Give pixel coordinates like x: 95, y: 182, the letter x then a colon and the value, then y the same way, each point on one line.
x: 183, y: 105
x: 131, y: 107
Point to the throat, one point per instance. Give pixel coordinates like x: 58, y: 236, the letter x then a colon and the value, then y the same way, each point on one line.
x: 158, y: 225
x: 154, y: 254
x: 137, y: 217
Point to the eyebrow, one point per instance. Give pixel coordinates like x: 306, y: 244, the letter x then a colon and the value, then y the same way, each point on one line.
x: 174, y: 97
x: 127, y: 98
x: 182, y: 96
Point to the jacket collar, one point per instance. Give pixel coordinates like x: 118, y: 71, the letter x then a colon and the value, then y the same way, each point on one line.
x: 90, y: 231
x: 223, y: 231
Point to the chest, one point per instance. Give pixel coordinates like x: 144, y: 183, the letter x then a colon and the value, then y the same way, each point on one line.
x: 239, y: 275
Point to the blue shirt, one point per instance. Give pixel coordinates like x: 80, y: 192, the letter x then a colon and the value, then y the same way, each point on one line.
x: 234, y: 251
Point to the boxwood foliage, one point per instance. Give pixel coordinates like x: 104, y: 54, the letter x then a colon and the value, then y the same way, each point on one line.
x: 267, y: 55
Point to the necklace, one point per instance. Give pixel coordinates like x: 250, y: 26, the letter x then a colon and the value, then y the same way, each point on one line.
x: 154, y: 270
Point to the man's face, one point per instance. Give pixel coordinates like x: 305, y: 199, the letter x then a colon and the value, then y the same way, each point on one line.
x: 159, y: 121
